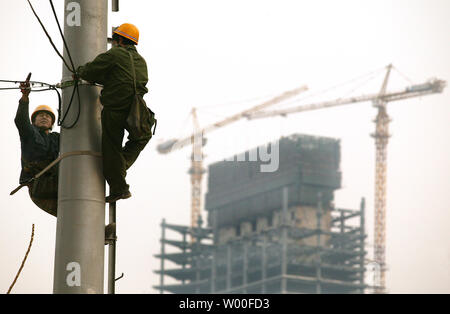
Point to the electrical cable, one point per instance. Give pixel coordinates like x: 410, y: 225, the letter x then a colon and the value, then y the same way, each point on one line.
x: 32, y: 90
x: 79, y: 107
x: 75, y: 88
x: 49, y: 38
x: 42, y: 89
x: 59, y: 101
x: 71, y: 69
x: 62, y: 35
x: 32, y: 83
x: 61, y: 121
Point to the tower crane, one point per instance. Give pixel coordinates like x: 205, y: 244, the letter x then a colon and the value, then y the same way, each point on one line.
x: 381, y: 136
x: 197, y: 141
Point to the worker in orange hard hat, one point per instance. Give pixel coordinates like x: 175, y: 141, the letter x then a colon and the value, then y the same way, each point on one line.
x: 123, y: 73
x: 127, y: 31
x: 39, y: 147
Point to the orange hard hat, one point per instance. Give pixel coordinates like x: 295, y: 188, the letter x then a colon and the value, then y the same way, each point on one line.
x: 129, y: 31
x: 43, y: 108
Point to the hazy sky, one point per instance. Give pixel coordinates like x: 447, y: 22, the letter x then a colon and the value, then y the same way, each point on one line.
x: 216, y: 55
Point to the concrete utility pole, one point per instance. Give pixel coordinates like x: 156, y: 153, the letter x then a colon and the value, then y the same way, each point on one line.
x: 80, y: 232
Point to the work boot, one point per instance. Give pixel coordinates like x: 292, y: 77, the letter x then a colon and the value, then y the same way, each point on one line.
x: 115, y: 197
x: 110, y: 233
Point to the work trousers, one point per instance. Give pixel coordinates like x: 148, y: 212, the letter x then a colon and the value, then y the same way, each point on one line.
x: 44, y: 193
x: 117, y: 159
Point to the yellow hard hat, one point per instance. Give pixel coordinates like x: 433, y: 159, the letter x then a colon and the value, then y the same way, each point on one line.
x: 44, y: 108
x: 128, y: 31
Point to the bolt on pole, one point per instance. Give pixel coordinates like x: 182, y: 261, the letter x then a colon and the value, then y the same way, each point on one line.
x: 80, y: 230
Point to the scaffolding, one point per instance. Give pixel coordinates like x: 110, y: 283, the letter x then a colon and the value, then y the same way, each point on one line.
x: 270, y: 232
x: 279, y: 262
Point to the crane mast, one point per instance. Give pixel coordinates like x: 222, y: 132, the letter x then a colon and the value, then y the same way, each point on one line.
x: 196, y: 171
x: 381, y: 136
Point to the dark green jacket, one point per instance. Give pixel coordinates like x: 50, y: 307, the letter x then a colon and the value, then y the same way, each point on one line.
x: 38, y: 149
x: 112, y: 69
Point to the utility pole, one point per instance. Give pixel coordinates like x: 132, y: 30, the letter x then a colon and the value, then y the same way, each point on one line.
x: 80, y: 231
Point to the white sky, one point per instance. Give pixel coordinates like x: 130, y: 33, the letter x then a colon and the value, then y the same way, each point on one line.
x: 204, y: 53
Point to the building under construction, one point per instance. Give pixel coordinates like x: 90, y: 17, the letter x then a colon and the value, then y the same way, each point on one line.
x: 270, y: 232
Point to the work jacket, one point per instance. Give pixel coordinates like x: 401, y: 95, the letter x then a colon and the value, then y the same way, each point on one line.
x: 113, y: 70
x: 38, y: 149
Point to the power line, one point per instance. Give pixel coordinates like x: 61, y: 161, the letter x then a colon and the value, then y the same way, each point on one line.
x: 75, y: 88
x: 32, y: 83
x: 49, y: 38
x: 62, y: 35
x: 71, y: 69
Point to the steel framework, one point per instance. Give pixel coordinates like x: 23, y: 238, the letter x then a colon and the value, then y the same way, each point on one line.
x: 269, y: 261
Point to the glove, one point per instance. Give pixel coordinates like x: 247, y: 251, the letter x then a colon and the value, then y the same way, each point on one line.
x: 25, y: 86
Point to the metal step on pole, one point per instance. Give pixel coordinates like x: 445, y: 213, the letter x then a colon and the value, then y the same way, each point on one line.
x: 112, y: 251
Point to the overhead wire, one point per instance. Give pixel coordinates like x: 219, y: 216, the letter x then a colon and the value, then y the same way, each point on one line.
x: 31, y: 82
x: 62, y: 36
x: 70, y: 68
x: 50, y: 86
x: 49, y: 38
x: 75, y: 88
x: 41, y: 88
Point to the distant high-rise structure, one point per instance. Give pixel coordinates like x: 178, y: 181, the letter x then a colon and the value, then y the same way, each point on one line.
x: 271, y: 232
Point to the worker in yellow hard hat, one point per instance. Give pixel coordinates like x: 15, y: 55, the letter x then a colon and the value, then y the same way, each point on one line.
x: 43, y: 117
x: 39, y: 147
x: 123, y: 73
